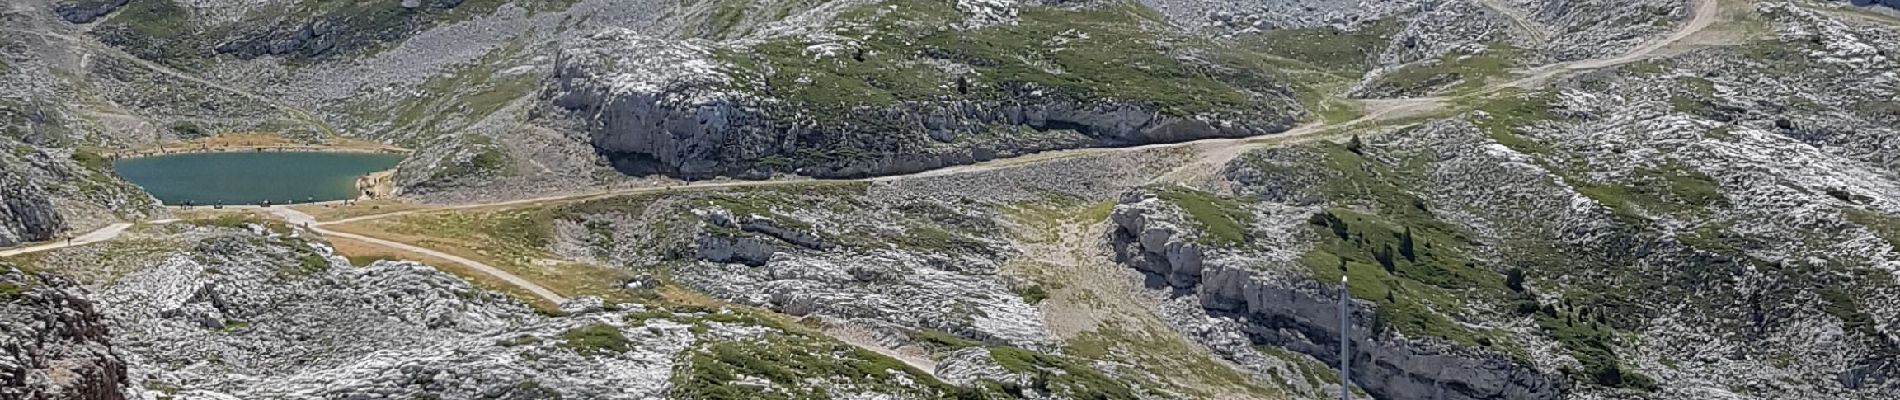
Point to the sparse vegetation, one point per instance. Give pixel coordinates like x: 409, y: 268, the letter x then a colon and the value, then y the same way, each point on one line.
x: 1670, y: 188
x: 1885, y: 226
x: 1032, y: 294
x: 10, y: 289
x: 596, y: 338
x: 1456, y: 72
x: 522, y: 340
x: 1369, y: 243
x: 1223, y: 220
x: 1067, y: 378
x: 1507, y: 113
x: 1329, y: 47
x: 793, y: 362
x: 939, y: 341
x: 1106, y: 53
x: 1838, y: 303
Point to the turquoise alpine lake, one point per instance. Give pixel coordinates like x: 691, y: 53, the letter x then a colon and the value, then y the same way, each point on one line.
x: 247, y: 177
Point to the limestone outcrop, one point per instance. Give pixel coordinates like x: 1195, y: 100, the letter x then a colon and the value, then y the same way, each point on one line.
x: 1301, y: 315
x: 54, y: 343
x: 654, y: 106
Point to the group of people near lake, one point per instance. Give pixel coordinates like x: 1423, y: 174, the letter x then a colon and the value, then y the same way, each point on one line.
x: 267, y: 203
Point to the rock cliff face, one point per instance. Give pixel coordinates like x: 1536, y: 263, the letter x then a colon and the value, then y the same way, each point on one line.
x: 680, y: 113
x: 86, y: 11
x: 47, y: 192
x: 1885, y: 3
x: 26, y: 212
x: 53, y: 344
x: 1302, y: 315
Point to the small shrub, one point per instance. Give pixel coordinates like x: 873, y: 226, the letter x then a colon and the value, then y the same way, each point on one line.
x: 1032, y: 294
x: 596, y: 338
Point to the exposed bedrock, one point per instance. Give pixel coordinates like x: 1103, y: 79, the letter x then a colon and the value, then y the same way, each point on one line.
x: 53, y: 344
x: 1895, y: 4
x: 1301, y: 315
x: 85, y: 11
x: 26, y: 212
x: 680, y: 119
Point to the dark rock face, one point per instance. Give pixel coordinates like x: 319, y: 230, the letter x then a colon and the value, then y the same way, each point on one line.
x: 671, y: 125
x: 1895, y: 4
x: 1302, y: 316
x: 642, y: 136
x: 746, y: 250
x: 86, y: 11
x: 324, y: 35
x: 26, y: 212
x: 53, y: 344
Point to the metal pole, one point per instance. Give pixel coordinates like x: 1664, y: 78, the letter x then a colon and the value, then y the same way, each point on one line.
x: 1345, y: 339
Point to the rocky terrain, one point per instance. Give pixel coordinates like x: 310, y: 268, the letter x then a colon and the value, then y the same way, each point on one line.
x: 1603, y: 200
x: 56, y: 342
x: 564, y: 94
x: 1680, y: 228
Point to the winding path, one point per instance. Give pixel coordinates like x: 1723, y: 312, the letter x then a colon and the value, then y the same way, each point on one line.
x: 1213, y: 152
x: 103, y: 234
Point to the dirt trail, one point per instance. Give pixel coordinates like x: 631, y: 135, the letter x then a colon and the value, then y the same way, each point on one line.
x: 1216, y: 153
x: 1519, y: 20
x: 103, y: 234
x: 1074, y: 251
x: 299, y: 218
x: 1095, y: 302
x: 1702, y: 15
x: 915, y: 356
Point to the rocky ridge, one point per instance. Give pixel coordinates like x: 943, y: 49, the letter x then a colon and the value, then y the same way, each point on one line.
x: 56, y: 343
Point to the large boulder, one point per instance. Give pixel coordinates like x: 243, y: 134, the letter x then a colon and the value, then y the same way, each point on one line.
x: 53, y: 344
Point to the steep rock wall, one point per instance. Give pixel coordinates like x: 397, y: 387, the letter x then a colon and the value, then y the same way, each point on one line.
x: 1301, y: 315
x: 26, y: 212
x: 654, y: 106
x: 53, y: 344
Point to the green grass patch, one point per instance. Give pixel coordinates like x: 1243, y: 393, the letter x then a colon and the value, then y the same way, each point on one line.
x: 1119, y: 51
x: 792, y: 361
x: 1838, y: 303
x: 1031, y: 294
x: 1507, y: 113
x: 10, y: 289
x: 159, y: 30
x: 1397, y: 253
x: 1671, y: 188
x: 1454, y: 72
x: 309, y: 264
x: 1884, y: 226
x: 1329, y: 47
x: 1191, y: 371
x: 939, y: 341
x: 1223, y: 220
x: 449, y: 103
x: 1593, y: 343
x: 92, y: 161
x: 1697, y: 96
x: 596, y: 338
x: 1062, y: 376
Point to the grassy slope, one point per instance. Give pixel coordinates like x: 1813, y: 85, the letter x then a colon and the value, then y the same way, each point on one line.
x: 1117, y: 52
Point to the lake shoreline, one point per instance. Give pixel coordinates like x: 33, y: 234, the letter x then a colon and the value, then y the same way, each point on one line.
x: 252, y: 175
x: 172, y: 151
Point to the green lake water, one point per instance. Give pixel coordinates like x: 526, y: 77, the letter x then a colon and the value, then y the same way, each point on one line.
x: 252, y: 177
